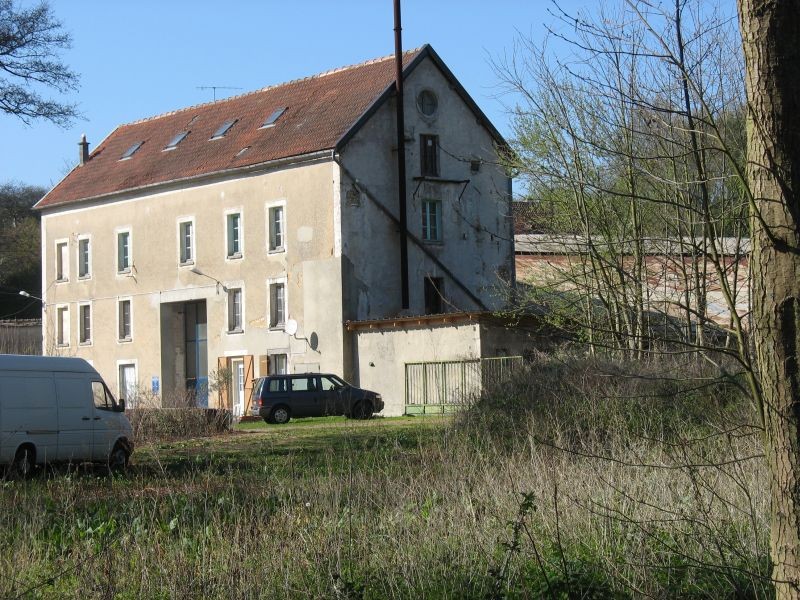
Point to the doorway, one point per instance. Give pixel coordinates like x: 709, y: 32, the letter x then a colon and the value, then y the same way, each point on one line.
x: 237, y: 387
x: 196, y: 351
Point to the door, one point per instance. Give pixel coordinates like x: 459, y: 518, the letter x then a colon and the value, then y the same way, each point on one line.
x: 76, y: 417
x: 237, y: 387
x: 196, y: 346
x: 128, y: 384
x: 106, y: 422
x: 331, y: 396
x: 305, y: 398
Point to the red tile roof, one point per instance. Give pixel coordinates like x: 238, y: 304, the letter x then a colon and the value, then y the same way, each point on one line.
x: 320, y: 110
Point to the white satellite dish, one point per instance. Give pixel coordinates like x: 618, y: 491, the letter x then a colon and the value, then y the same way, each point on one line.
x: 290, y: 327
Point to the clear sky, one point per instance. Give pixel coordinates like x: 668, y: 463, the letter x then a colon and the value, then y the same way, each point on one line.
x: 141, y: 58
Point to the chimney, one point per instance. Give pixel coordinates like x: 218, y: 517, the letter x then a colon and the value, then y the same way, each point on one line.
x: 83, y: 152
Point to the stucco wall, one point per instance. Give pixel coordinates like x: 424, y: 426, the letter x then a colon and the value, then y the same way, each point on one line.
x: 310, y: 266
x: 382, y: 355
x: 477, y: 231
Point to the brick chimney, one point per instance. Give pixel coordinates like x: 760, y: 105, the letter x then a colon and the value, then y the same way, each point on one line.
x: 83, y: 152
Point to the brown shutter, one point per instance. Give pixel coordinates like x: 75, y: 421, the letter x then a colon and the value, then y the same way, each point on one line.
x: 223, y: 387
x: 249, y: 377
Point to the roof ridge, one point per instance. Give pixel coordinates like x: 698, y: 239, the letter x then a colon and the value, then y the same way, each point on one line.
x: 365, y: 63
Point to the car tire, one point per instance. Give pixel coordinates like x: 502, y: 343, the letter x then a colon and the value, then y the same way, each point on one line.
x: 24, y: 463
x: 280, y: 415
x: 118, y: 459
x: 363, y: 410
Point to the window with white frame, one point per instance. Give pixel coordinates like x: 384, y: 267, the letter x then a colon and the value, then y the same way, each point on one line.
x: 123, y: 251
x: 124, y: 320
x: 62, y: 326
x: 186, y: 233
x: 62, y: 261
x: 84, y: 258
x: 235, y: 310
x: 234, y: 228
x: 276, y: 228
x: 85, y: 323
x: 278, y: 364
x: 432, y: 220
x: 277, y: 304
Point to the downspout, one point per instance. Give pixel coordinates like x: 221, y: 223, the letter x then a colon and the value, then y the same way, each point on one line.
x: 401, y: 155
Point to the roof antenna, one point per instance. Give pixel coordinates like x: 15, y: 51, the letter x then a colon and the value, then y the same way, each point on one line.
x: 215, y: 88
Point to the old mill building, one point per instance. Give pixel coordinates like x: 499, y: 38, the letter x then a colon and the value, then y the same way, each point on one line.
x: 260, y: 234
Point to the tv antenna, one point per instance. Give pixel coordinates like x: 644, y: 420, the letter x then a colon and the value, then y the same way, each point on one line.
x: 214, y: 88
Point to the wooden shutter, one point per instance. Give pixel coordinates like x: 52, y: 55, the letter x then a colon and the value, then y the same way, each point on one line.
x: 223, y: 388
x: 249, y: 377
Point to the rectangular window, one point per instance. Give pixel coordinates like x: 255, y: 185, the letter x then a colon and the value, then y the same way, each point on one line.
x: 429, y: 155
x: 124, y: 320
x: 234, y: 223
x: 62, y: 261
x: 277, y: 304
x: 186, y: 231
x: 278, y: 364
x: 84, y: 258
x: 85, y: 316
x: 62, y: 326
x: 432, y: 220
x: 434, y: 294
x: 235, y: 310
x: 276, y: 228
x: 124, y: 252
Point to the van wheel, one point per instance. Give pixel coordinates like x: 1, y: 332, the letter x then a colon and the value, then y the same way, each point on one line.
x: 24, y: 462
x: 118, y: 459
x: 280, y: 415
x: 362, y: 410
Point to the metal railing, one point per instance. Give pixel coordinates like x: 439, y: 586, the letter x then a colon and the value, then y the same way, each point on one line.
x: 455, y: 382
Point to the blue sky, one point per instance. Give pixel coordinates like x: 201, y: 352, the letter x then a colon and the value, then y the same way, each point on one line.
x: 141, y: 58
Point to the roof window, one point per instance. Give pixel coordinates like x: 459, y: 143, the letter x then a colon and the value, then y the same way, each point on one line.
x: 131, y: 151
x: 223, y: 129
x: 276, y: 114
x: 176, y: 140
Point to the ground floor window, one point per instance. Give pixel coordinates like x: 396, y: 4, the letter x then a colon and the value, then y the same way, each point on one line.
x: 277, y: 364
x: 127, y: 383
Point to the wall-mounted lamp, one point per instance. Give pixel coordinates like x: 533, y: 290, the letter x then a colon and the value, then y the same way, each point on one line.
x: 197, y: 271
x: 27, y: 295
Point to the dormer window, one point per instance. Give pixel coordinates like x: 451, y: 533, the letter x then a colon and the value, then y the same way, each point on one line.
x: 131, y: 151
x: 223, y: 129
x: 173, y: 143
x: 273, y: 117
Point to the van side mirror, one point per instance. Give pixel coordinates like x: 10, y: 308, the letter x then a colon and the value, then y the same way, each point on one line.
x: 121, y: 405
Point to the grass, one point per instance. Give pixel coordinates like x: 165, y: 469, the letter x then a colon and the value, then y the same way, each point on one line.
x: 478, y: 506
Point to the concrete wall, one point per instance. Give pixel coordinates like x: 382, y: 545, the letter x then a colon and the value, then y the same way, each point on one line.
x: 310, y: 266
x: 477, y: 229
x: 381, y: 355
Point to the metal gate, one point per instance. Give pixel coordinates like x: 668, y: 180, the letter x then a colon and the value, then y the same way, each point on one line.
x: 438, y: 387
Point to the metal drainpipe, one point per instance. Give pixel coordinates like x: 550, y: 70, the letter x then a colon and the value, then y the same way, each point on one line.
x: 401, y: 155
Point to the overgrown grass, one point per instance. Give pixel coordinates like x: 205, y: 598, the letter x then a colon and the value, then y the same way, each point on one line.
x: 545, y: 504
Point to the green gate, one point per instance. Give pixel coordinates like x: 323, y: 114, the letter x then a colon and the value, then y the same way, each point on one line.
x: 444, y: 386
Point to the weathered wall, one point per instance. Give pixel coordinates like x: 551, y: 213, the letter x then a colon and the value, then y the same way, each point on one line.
x: 383, y: 353
x: 477, y: 229
x: 309, y: 265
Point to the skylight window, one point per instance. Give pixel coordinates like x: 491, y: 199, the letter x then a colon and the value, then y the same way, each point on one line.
x: 273, y: 117
x: 131, y: 151
x: 223, y: 129
x: 176, y: 140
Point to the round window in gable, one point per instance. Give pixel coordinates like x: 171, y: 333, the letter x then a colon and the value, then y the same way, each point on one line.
x: 427, y: 103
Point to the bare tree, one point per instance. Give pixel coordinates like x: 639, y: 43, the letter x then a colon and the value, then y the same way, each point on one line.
x: 772, y: 57
x: 30, y: 41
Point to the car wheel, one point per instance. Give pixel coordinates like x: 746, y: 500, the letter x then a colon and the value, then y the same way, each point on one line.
x: 118, y: 459
x: 280, y: 415
x: 362, y: 410
x: 24, y: 462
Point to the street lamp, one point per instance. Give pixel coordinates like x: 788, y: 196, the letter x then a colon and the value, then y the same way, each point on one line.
x: 197, y: 271
x: 28, y: 295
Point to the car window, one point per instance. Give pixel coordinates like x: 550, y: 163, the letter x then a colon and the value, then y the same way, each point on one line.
x: 304, y: 384
x: 277, y: 385
x: 329, y: 384
x: 102, y: 399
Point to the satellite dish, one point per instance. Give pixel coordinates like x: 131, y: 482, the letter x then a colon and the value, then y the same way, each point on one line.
x: 290, y: 327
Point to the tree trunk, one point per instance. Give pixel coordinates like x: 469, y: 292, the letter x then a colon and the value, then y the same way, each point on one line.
x: 772, y: 56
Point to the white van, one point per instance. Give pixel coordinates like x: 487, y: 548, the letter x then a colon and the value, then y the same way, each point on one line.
x: 55, y: 409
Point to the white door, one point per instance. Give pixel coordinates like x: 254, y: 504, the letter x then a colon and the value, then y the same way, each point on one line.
x: 106, y: 422
x: 127, y: 384
x: 75, y: 417
x: 237, y: 393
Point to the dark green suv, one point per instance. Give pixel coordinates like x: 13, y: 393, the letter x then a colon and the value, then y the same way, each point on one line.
x: 278, y: 398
